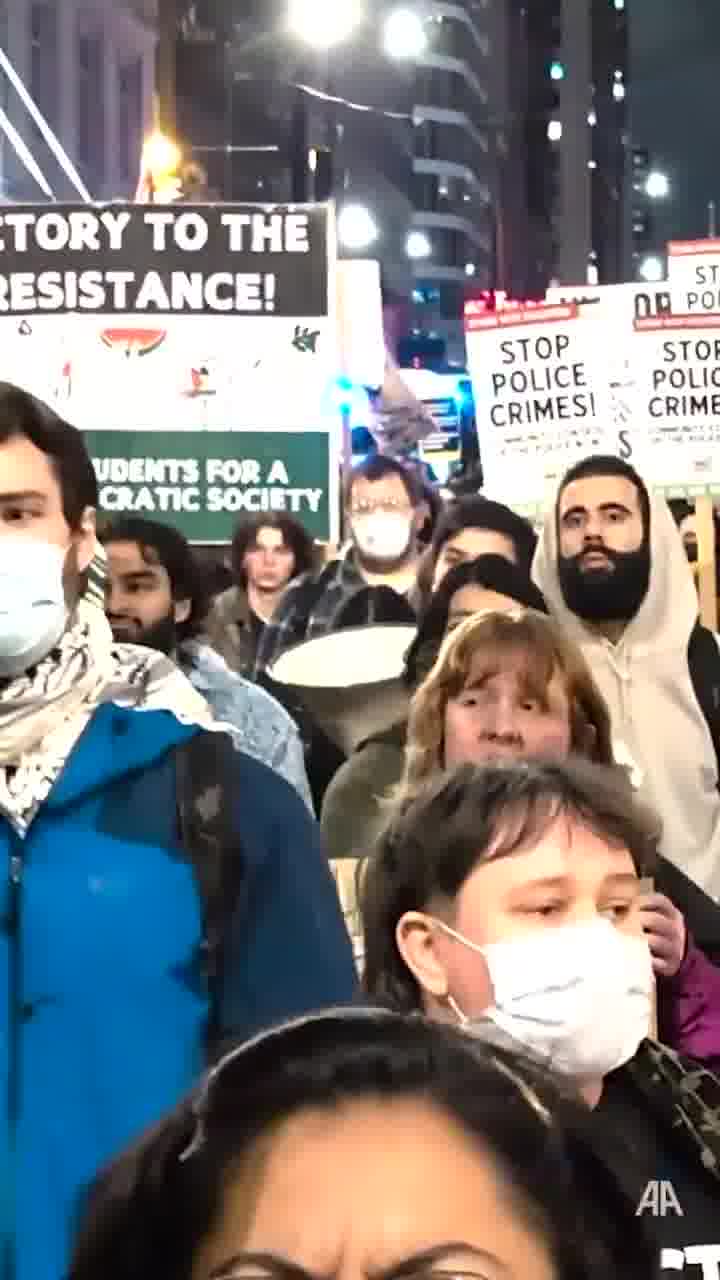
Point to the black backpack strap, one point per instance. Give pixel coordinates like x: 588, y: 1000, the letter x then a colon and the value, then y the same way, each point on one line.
x: 210, y: 841
x: 704, y: 667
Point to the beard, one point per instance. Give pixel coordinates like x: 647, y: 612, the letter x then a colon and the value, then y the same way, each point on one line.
x: 606, y: 595
x: 161, y: 635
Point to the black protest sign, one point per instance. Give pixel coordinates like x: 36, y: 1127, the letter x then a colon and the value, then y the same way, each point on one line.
x: 257, y: 260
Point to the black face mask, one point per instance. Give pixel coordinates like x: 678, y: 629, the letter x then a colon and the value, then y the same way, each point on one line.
x: 606, y: 595
x: 161, y: 636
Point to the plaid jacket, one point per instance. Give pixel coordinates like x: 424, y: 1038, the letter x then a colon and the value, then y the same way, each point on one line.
x: 308, y: 608
x: 683, y: 1094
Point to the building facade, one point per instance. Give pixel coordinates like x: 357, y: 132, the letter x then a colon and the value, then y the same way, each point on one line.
x: 90, y: 68
x: 578, y: 145
x: 457, y: 143
x: 347, y: 132
x: 673, y: 83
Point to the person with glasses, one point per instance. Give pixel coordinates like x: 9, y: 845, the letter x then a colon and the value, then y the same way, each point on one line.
x: 384, y: 514
x: 356, y: 1144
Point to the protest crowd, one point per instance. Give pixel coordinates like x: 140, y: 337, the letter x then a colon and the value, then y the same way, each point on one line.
x: 362, y: 907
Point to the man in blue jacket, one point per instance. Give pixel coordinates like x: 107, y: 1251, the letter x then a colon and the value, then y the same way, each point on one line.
x: 106, y: 990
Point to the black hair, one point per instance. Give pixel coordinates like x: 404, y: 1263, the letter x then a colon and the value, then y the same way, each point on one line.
x: 163, y: 544
x: 491, y: 571
x: 294, y: 535
x: 482, y: 513
x: 377, y: 467
x: 24, y: 416
x: 152, y: 1210
x: 600, y: 464
x: 438, y: 836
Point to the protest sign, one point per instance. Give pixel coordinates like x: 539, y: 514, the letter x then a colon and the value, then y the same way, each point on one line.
x: 694, y: 275
x: 612, y: 309
x: 205, y: 481
x: 677, y: 415
x: 213, y: 259
x: 540, y: 397
x: 210, y: 318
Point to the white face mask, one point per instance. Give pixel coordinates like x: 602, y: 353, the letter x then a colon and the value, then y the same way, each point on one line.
x: 382, y: 535
x: 578, y: 998
x: 33, y: 612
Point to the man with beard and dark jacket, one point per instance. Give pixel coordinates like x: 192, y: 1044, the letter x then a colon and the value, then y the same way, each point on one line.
x: 612, y: 568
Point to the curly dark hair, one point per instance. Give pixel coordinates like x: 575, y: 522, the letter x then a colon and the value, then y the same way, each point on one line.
x: 295, y: 536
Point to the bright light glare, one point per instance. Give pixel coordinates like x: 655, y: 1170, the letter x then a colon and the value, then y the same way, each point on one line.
x: 470, y: 268
x: 592, y: 118
x: 418, y: 245
x: 404, y: 35
x: 657, y: 185
x: 555, y: 130
x: 652, y: 270
x: 619, y: 91
x: 557, y: 71
x: 160, y: 155
x: 357, y: 229
x: 324, y: 23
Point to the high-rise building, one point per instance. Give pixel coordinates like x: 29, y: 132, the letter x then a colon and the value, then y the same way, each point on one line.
x: 346, y: 131
x: 673, y: 83
x: 456, y: 149
x: 90, y: 69
x: 577, y: 134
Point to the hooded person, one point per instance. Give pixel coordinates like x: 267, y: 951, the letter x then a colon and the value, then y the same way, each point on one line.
x: 612, y: 567
x: 163, y: 891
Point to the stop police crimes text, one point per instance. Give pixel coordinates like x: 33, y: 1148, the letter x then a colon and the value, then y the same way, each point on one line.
x: 688, y: 383
x: 538, y: 383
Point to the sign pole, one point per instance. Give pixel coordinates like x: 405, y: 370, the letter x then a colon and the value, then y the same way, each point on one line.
x: 707, y: 589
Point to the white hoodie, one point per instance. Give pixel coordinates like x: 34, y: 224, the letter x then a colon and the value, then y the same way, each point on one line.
x: 645, y: 680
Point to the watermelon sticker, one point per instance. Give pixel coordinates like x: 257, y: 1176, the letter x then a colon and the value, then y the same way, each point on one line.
x: 133, y: 341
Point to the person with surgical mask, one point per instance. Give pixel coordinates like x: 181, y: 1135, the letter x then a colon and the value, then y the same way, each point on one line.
x: 121, y: 966
x: 511, y: 686
x: 506, y: 899
x: 384, y: 513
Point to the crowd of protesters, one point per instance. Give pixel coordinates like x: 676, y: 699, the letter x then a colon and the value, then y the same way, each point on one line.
x: 361, y: 916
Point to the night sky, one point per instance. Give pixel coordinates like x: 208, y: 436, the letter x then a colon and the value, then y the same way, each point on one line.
x: 674, y: 80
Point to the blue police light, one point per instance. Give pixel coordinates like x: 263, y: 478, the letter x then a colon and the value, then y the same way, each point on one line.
x: 463, y: 394
x: 344, y: 395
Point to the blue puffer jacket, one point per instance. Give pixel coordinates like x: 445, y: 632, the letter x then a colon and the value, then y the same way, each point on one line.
x: 102, y: 1004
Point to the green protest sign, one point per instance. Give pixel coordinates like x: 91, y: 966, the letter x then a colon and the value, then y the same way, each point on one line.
x: 204, y: 482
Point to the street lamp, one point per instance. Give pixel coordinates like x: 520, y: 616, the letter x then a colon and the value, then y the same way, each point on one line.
x: 417, y: 246
x: 357, y: 229
x: 404, y: 35
x: 160, y: 155
x: 324, y: 23
x: 657, y: 186
x: 652, y: 269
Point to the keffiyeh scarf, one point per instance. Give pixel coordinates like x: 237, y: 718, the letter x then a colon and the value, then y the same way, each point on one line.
x: 44, y: 711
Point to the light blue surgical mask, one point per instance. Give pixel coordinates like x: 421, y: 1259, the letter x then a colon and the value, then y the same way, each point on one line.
x: 33, y: 610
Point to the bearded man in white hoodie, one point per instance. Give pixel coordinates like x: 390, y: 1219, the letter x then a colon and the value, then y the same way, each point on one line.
x: 613, y: 570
